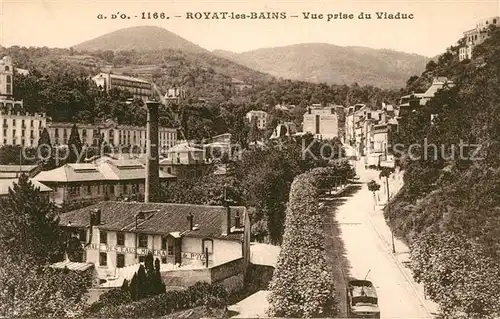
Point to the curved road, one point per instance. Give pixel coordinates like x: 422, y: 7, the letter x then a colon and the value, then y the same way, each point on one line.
x: 368, y: 252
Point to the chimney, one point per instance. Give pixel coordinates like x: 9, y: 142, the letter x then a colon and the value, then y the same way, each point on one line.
x: 190, y: 220
x: 152, y: 156
x: 237, y: 220
x: 226, y: 221
x: 97, y: 216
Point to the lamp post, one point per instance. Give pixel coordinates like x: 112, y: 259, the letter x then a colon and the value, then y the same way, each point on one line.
x: 389, y: 211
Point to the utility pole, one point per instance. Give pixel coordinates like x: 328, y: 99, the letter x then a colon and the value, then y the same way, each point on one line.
x: 389, y: 212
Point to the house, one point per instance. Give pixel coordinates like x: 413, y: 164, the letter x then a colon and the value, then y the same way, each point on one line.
x: 186, y: 161
x: 14, y: 171
x: 5, y: 184
x: 118, y: 235
x: 476, y: 36
x: 108, y: 180
x: 260, y: 118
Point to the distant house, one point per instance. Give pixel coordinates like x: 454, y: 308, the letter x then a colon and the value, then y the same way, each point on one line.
x: 260, y: 117
x: 14, y: 171
x: 186, y: 161
x: 5, y: 184
x: 322, y: 122
x: 139, y: 88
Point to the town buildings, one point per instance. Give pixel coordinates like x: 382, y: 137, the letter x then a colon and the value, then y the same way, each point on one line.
x: 476, y: 36
x: 175, y: 94
x: 104, y: 180
x: 260, y: 117
x: 322, y: 122
x: 140, y: 89
x: 118, y: 235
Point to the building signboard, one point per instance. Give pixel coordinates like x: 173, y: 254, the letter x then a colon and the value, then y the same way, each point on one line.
x: 143, y: 251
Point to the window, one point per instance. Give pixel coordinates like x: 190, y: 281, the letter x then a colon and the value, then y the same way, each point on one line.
x: 143, y: 241
x: 9, y: 79
x: 103, y: 259
x: 82, y: 235
x: 7, y: 68
x: 164, y: 243
x: 120, y: 260
x: 120, y: 239
x: 170, y: 250
x: 89, y: 190
x: 163, y: 260
x: 112, y: 189
x: 103, y: 237
x: 14, y: 122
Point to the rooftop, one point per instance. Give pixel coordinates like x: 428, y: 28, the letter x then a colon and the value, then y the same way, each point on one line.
x: 122, y: 77
x: 72, y: 265
x: 5, y: 184
x: 107, y: 169
x: 161, y: 218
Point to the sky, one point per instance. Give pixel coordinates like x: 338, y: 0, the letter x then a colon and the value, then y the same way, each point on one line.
x: 435, y: 26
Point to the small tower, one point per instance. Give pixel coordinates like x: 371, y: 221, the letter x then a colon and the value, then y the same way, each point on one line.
x: 6, y: 74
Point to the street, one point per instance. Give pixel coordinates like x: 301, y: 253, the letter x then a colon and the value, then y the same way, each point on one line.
x: 369, y: 253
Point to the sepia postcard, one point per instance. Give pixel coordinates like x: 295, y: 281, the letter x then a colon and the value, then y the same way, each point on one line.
x: 250, y: 159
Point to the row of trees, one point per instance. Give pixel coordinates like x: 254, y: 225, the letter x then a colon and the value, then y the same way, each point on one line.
x: 302, y: 284
x: 448, y: 207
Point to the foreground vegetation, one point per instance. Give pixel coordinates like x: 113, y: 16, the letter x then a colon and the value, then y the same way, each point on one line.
x: 448, y: 209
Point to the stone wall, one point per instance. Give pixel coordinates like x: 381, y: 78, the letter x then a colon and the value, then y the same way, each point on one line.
x: 230, y: 274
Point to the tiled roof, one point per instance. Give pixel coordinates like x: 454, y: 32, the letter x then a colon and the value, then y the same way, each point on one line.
x: 126, y: 170
x: 164, y: 218
x: 122, y: 77
x: 5, y: 184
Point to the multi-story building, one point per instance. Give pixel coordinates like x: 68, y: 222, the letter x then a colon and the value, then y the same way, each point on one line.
x: 323, y: 122
x: 15, y: 171
x: 260, y: 117
x: 476, y: 36
x: 21, y: 128
x: 112, y: 134
x: 407, y: 102
x: 140, y: 89
x: 119, y: 235
x: 106, y: 180
x: 352, y: 115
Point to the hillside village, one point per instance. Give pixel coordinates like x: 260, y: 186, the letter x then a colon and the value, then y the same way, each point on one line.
x: 136, y: 185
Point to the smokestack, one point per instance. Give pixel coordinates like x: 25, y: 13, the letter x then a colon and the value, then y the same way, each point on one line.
x: 152, y: 160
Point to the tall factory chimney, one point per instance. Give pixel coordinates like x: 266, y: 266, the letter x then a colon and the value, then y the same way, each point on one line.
x: 152, y: 161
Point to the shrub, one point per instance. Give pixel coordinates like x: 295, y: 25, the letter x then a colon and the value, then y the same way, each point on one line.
x: 200, y: 294
x: 302, y: 285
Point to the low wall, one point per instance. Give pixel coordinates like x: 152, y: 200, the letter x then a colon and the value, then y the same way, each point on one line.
x: 228, y: 274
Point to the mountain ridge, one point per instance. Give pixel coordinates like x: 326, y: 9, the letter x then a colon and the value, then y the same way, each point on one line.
x: 333, y: 64
x: 312, y: 62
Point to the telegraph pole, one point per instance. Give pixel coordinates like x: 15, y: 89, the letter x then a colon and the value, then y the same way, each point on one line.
x: 152, y: 182
x: 389, y: 213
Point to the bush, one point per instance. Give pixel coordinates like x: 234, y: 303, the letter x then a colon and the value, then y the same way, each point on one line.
x: 302, y: 285
x: 200, y: 294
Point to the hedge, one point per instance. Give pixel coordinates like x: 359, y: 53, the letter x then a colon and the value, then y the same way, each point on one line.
x: 200, y: 294
x: 302, y: 284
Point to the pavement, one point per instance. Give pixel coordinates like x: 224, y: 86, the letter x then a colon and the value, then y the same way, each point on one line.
x: 254, y: 306
x: 368, y: 244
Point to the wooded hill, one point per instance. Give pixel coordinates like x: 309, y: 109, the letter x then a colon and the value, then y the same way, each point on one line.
x: 449, y: 207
